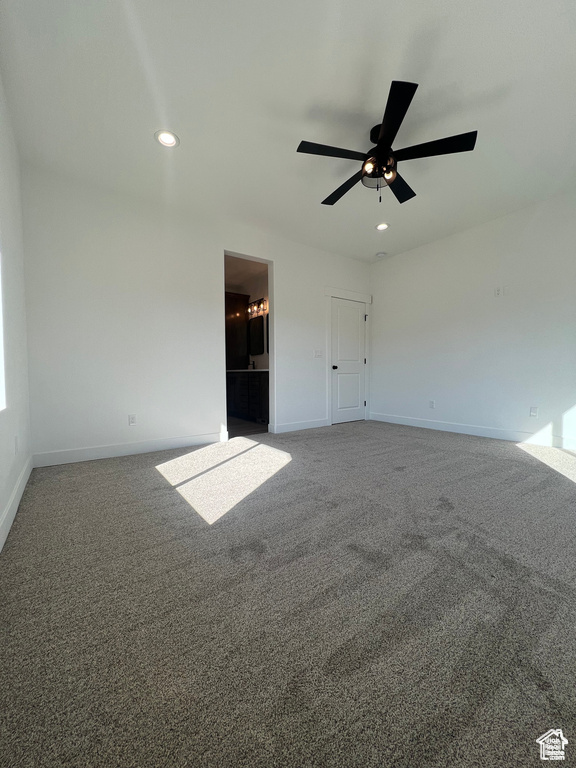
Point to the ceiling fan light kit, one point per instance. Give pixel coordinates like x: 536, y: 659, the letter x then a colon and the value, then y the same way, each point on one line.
x: 379, y: 163
x: 376, y: 174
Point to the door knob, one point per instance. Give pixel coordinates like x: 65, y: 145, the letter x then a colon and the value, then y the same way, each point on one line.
x: 334, y: 367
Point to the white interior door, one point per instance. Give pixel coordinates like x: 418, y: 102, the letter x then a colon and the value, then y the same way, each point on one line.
x: 348, y: 360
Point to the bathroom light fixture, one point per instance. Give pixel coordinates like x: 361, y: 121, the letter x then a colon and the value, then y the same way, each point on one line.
x: 256, y: 308
x: 167, y: 138
x: 381, y: 227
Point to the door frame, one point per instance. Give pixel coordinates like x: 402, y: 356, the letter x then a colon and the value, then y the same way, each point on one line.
x: 362, y: 298
x: 271, y: 333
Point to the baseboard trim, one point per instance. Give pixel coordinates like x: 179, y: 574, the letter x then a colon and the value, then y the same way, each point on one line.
x: 294, y: 426
x: 70, y: 456
x: 11, y: 508
x: 515, y: 436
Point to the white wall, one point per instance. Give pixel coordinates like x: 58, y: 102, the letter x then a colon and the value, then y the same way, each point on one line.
x: 126, y: 315
x: 440, y: 333
x: 15, y: 461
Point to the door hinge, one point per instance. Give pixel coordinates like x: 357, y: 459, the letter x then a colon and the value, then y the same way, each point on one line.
x: 364, y: 361
x: 365, y: 318
x: 364, y: 402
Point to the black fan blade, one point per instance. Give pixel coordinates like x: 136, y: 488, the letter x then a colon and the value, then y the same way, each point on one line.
x: 399, y: 99
x: 337, y: 194
x: 401, y: 189
x: 464, y: 142
x: 321, y: 149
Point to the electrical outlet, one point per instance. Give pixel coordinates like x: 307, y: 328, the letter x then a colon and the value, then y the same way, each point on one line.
x: 534, y: 411
x: 432, y: 403
x: 131, y: 419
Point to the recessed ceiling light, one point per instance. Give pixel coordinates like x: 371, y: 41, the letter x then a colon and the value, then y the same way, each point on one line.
x: 167, y: 138
x: 382, y: 226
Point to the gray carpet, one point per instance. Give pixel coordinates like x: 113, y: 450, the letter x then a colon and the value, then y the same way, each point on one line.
x: 365, y: 595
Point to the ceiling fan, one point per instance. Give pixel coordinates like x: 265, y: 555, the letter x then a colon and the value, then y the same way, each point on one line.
x: 379, y: 163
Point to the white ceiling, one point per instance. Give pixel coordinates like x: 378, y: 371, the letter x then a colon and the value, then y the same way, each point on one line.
x: 88, y: 84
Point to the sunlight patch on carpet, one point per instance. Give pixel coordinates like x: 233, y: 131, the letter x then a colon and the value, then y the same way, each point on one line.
x: 559, y: 459
x: 214, y: 479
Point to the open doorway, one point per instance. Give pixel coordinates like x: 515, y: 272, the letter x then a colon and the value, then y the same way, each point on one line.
x: 247, y: 299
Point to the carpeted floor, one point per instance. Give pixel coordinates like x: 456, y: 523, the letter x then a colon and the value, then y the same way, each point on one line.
x: 363, y: 595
